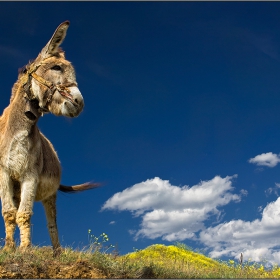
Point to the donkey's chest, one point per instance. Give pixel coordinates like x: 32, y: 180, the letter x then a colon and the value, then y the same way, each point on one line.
x: 18, y: 156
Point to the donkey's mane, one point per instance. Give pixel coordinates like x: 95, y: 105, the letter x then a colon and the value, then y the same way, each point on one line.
x: 23, y: 69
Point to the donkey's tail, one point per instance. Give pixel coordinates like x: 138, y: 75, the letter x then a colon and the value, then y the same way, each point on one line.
x: 78, y: 188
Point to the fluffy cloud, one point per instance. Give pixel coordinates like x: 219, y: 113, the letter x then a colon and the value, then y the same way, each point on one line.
x: 176, y: 213
x: 172, y: 212
x: 258, y: 240
x: 266, y: 159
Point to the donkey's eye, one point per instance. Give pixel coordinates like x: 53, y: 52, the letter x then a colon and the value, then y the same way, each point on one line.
x: 56, y: 68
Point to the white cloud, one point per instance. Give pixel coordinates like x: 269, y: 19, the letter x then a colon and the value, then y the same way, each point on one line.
x: 172, y: 212
x: 266, y: 159
x: 274, y: 190
x: 177, y: 213
x: 257, y: 240
x: 244, y: 192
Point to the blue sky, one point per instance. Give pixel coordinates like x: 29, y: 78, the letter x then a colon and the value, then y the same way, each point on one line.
x: 181, y: 121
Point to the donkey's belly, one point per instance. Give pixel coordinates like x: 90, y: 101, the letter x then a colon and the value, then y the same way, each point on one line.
x: 47, y: 187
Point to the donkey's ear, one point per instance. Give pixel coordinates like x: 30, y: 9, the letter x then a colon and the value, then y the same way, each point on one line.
x: 56, y: 40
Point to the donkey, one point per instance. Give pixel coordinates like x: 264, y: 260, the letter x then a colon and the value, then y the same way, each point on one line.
x: 29, y: 166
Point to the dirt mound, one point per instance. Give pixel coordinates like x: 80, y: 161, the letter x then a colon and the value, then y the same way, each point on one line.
x: 77, y: 270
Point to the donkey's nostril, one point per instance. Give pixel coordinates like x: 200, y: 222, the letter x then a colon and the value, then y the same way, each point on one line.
x: 77, y: 97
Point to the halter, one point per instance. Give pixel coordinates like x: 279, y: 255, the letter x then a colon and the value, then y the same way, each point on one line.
x: 63, y: 89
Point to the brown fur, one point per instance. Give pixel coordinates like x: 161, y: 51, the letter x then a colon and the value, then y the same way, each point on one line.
x: 29, y: 166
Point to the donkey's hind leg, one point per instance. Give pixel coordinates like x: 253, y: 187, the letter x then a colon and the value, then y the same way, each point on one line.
x: 50, y: 209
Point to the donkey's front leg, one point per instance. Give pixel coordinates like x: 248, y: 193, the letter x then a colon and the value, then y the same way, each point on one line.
x: 9, y: 208
x: 28, y: 192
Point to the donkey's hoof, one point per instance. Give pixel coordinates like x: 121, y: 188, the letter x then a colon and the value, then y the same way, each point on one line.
x: 57, y: 252
x: 24, y: 248
x: 9, y: 248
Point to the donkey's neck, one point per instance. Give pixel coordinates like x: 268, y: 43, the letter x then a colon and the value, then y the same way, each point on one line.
x: 17, y: 120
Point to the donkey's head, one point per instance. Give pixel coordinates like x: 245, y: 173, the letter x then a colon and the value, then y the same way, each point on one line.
x: 50, y: 79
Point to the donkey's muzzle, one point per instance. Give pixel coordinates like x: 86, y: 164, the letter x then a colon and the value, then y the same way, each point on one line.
x: 74, y: 101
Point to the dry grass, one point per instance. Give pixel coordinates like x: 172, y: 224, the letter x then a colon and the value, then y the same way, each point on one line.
x: 157, y: 261
x: 39, y: 263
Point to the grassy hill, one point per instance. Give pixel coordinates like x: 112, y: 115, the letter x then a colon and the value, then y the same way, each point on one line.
x: 156, y: 261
